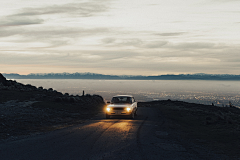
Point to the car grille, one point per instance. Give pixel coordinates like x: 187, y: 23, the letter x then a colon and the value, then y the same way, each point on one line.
x: 118, y: 108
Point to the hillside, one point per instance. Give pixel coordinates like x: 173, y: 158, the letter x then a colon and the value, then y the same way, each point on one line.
x: 26, y: 109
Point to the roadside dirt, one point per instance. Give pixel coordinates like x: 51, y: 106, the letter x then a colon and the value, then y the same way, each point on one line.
x: 216, y: 128
x: 26, y: 110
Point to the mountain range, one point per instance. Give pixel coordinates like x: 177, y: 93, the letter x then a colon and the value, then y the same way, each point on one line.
x: 87, y: 75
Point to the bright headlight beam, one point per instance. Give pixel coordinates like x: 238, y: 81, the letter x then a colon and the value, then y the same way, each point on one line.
x: 108, y: 109
x: 128, y: 109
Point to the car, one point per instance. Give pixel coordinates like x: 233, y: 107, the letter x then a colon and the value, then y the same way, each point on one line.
x: 122, y: 105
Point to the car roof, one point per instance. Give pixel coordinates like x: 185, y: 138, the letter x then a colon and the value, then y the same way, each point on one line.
x: 123, y: 96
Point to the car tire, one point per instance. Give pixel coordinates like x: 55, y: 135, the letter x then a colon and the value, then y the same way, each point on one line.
x: 132, y: 115
x: 107, y: 116
x: 135, y: 114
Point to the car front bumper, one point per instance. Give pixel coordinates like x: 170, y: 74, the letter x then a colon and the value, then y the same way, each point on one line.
x: 118, y: 112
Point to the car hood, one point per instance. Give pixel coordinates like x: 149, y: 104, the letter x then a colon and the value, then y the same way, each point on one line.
x: 120, y: 105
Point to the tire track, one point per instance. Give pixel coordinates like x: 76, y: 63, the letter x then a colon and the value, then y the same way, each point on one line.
x: 115, y: 151
x: 101, y: 133
x: 139, y: 145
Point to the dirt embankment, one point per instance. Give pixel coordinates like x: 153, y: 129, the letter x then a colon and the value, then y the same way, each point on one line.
x: 26, y: 109
x: 217, y: 128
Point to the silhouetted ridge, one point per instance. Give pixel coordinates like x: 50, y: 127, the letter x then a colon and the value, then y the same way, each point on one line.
x: 3, y: 80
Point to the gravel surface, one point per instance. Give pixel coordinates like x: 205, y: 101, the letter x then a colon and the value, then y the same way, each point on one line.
x: 147, y: 137
x: 19, y: 118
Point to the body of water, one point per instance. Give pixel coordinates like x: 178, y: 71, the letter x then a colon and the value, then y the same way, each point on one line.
x: 204, y: 92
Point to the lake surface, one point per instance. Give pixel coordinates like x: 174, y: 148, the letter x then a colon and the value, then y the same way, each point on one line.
x: 197, y: 91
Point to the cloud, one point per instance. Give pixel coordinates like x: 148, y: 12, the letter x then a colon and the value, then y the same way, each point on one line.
x: 129, y: 42
x: 30, y: 16
x: 9, y: 32
x: 171, y: 34
x: 193, y: 45
x: 69, y: 32
x: 19, y: 21
x: 108, y: 40
x: 84, y: 9
x: 163, y: 44
x: 113, y: 42
x: 155, y: 44
x: 134, y: 42
x: 51, y: 36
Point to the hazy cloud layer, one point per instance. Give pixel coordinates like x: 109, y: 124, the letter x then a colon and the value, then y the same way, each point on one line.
x: 182, y: 62
x: 134, y: 37
x: 139, y: 43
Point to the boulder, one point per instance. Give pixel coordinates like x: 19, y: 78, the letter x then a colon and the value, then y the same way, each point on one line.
x: 66, y: 94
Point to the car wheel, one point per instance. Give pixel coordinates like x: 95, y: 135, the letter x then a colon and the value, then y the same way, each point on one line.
x: 132, y: 115
x: 107, y: 116
x: 135, y: 114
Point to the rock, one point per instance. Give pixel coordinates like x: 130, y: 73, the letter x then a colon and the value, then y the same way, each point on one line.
x: 88, y: 95
x: 40, y: 88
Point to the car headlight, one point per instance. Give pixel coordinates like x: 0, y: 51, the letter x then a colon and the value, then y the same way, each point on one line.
x: 128, y: 109
x: 108, y: 109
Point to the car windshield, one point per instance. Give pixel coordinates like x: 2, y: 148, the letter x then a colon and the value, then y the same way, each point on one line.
x: 121, y: 100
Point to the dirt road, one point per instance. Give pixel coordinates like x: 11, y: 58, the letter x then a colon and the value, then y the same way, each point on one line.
x: 145, y: 137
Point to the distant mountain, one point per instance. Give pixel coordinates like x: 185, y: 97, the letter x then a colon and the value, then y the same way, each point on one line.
x: 198, y: 76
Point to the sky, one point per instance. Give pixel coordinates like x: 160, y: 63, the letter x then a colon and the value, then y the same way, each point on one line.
x: 120, y: 37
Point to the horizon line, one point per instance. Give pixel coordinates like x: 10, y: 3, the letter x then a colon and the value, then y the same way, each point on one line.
x: 120, y: 75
